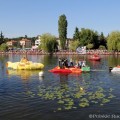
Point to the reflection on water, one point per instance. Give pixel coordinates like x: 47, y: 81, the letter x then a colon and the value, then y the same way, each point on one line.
x: 41, y: 78
x: 63, y: 78
x: 24, y: 74
x: 95, y: 64
x: 113, y: 60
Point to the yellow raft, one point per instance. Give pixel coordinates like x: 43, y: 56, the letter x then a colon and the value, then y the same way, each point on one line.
x: 29, y: 65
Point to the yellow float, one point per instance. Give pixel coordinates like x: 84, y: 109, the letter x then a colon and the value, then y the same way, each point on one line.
x: 25, y: 65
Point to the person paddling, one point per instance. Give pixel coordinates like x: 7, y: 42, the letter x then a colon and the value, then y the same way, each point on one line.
x: 71, y: 62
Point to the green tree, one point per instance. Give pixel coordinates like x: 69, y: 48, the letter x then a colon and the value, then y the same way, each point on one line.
x: 102, y: 47
x: 1, y: 38
x: 48, y: 43
x: 74, y: 45
x: 76, y: 35
x: 102, y: 40
x: 62, y: 29
x: 3, y: 47
x: 88, y: 36
x: 33, y: 40
x: 118, y: 46
x: 90, y: 46
x: 26, y: 36
x: 113, y: 41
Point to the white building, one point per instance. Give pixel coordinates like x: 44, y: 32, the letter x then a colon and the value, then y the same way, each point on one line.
x: 37, y: 41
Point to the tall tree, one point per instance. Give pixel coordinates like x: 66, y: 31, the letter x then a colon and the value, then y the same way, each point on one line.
x: 26, y: 36
x: 102, y: 39
x: 1, y: 38
x: 62, y: 29
x: 113, y: 41
x: 76, y: 35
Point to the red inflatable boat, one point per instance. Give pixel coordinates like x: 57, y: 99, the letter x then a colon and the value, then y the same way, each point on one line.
x: 65, y: 70
x: 95, y: 58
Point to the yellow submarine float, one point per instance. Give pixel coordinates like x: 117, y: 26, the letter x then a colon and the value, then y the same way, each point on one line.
x: 24, y: 64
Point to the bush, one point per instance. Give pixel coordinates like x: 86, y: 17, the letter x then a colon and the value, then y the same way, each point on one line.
x: 90, y: 46
x: 3, y: 47
x: 101, y: 47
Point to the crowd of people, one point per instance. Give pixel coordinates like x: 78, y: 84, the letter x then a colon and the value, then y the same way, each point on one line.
x: 66, y: 63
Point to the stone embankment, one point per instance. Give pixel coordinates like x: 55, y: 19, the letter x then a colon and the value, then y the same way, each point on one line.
x: 38, y: 52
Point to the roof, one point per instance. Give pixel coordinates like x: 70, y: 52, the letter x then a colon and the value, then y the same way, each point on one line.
x: 25, y: 39
x: 13, y: 41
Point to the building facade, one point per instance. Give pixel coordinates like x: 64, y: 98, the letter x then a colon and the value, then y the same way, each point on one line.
x: 25, y: 43
x: 37, y: 41
x: 11, y: 44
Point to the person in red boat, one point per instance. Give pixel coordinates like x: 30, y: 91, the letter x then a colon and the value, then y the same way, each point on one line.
x: 59, y: 63
x: 80, y: 63
x: 83, y: 63
x: 77, y: 64
x: 95, y: 55
x: 71, y: 62
x: 63, y: 63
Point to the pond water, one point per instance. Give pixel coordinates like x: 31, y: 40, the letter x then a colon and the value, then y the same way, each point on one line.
x: 26, y: 96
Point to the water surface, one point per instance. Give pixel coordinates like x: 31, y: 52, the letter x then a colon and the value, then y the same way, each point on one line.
x: 26, y: 96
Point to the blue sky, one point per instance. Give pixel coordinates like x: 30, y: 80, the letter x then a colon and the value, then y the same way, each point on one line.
x: 36, y: 17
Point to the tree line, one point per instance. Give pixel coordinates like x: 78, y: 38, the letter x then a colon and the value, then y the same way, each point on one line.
x: 81, y: 37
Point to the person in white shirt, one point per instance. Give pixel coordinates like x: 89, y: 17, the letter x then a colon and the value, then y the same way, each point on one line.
x: 83, y: 63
